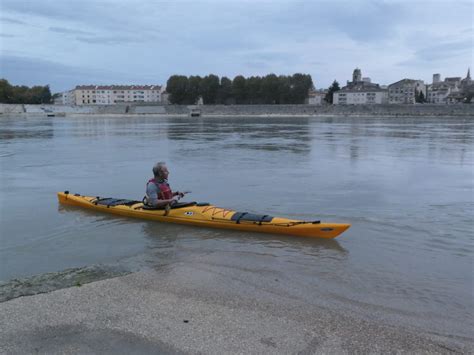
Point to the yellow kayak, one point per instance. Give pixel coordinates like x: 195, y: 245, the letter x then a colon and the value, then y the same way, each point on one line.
x: 206, y: 215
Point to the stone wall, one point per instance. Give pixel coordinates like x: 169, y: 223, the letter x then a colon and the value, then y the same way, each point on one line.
x: 247, y: 110
x: 341, y: 110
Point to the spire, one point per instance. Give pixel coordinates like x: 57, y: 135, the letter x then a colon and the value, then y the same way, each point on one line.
x: 468, y: 76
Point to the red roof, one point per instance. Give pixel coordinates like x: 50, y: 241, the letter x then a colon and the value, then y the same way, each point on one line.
x: 118, y: 87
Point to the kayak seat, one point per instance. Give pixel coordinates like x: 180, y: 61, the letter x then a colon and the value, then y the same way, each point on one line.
x: 108, y: 201
x: 250, y: 217
x: 176, y: 205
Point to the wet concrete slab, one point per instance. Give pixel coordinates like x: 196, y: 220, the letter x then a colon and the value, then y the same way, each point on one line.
x: 172, y: 311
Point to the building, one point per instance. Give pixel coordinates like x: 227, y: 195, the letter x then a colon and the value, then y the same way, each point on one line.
x: 69, y: 98
x: 406, y: 91
x: 316, y: 97
x: 465, y: 92
x: 438, y: 91
x: 360, y: 91
x: 58, y: 99
x: 65, y: 98
x: 116, y: 94
x: 360, y: 96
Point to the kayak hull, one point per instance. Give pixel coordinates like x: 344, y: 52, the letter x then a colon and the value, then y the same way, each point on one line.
x: 209, y: 216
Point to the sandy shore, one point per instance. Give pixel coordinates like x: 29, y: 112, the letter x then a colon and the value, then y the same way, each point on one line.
x: 181, y: 310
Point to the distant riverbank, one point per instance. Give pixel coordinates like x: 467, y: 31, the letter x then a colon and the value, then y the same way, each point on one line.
x: 244, y: 110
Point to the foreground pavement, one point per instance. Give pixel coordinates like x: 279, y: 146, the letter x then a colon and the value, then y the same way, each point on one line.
x: 174, y: 311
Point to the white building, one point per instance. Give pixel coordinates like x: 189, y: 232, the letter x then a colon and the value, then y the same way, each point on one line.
x: 316, y: 97
x: 405, y: 91
x: 360, y: 97
x: 360, y: 91
x: 116, y: 94
x: 65, y: 98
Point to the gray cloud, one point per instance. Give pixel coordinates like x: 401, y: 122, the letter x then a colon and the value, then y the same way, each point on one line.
x: 106, y: 14
x: 12, y: 21
x: 444, y: 50
x: 6, y: 35
x: 374, y: 21
x: 362, y: 22
x: 111, y: 40
x: 105, y: 17
x: 256, y: 65
x: 60, y: 77
x: 69, y: 31
x: 327, y: 38
x: 271, y: 58
x: 52, y: 9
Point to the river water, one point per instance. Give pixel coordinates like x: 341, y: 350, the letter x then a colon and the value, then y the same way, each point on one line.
x: 405, y: 185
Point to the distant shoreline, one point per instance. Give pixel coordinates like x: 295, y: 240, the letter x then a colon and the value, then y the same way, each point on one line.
x: 269, y: 111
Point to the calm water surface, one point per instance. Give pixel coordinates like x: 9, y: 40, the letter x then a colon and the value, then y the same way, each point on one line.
x: 405, y: 184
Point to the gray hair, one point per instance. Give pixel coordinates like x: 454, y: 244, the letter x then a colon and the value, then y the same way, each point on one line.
x: 158, y: 167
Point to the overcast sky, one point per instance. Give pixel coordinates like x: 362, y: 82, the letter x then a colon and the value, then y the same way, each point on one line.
x: 72, y: 42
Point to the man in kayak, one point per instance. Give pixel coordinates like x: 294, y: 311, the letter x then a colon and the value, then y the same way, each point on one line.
x: 158, y: 191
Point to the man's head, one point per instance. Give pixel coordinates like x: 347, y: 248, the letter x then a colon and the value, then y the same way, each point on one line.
x: 160, y: 170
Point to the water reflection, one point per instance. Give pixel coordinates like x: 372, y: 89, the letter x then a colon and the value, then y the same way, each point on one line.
x: 279, y: 134
x: 165, y: 235
x: 26, y: 129
x: 410, y: 138
x: 127, y: 126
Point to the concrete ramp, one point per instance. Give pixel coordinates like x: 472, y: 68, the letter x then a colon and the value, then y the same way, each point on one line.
x: 147, y: 109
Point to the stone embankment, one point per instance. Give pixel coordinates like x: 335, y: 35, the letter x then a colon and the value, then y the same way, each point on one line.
x: 245, y: 110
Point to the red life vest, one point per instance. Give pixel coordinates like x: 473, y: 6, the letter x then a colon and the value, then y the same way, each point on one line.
x: 164, y: 188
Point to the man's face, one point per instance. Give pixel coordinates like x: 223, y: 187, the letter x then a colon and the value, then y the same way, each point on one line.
x: 164, y: 172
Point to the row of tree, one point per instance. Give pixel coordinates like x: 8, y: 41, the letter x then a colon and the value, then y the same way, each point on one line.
x: 269, y: 89
x: 10, y: 94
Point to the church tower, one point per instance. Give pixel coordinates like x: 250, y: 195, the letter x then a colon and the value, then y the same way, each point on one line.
x: 356, y: 75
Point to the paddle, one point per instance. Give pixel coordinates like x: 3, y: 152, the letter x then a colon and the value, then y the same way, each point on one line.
x: 184, y: 193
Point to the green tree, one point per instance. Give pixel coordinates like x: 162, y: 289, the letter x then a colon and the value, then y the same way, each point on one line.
x: 177, y: 86
x: 332, y: 89
x: 193, y: 90
x: 209, y: 88
x: 300, y: 86
x: 269, y: 89
x: 6, y: 91
x: 239, y: 89
x: 224, y: 94
x: 419, y: 96
x: 284, y: 89
x: 254, y: 84
x: 20, y: 95
x: 23, y: 94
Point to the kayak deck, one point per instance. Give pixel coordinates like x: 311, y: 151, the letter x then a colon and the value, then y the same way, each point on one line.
x: 206, y: 215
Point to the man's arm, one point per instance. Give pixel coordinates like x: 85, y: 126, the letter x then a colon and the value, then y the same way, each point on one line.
x: 163, y: 203
x: 177, y: 193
